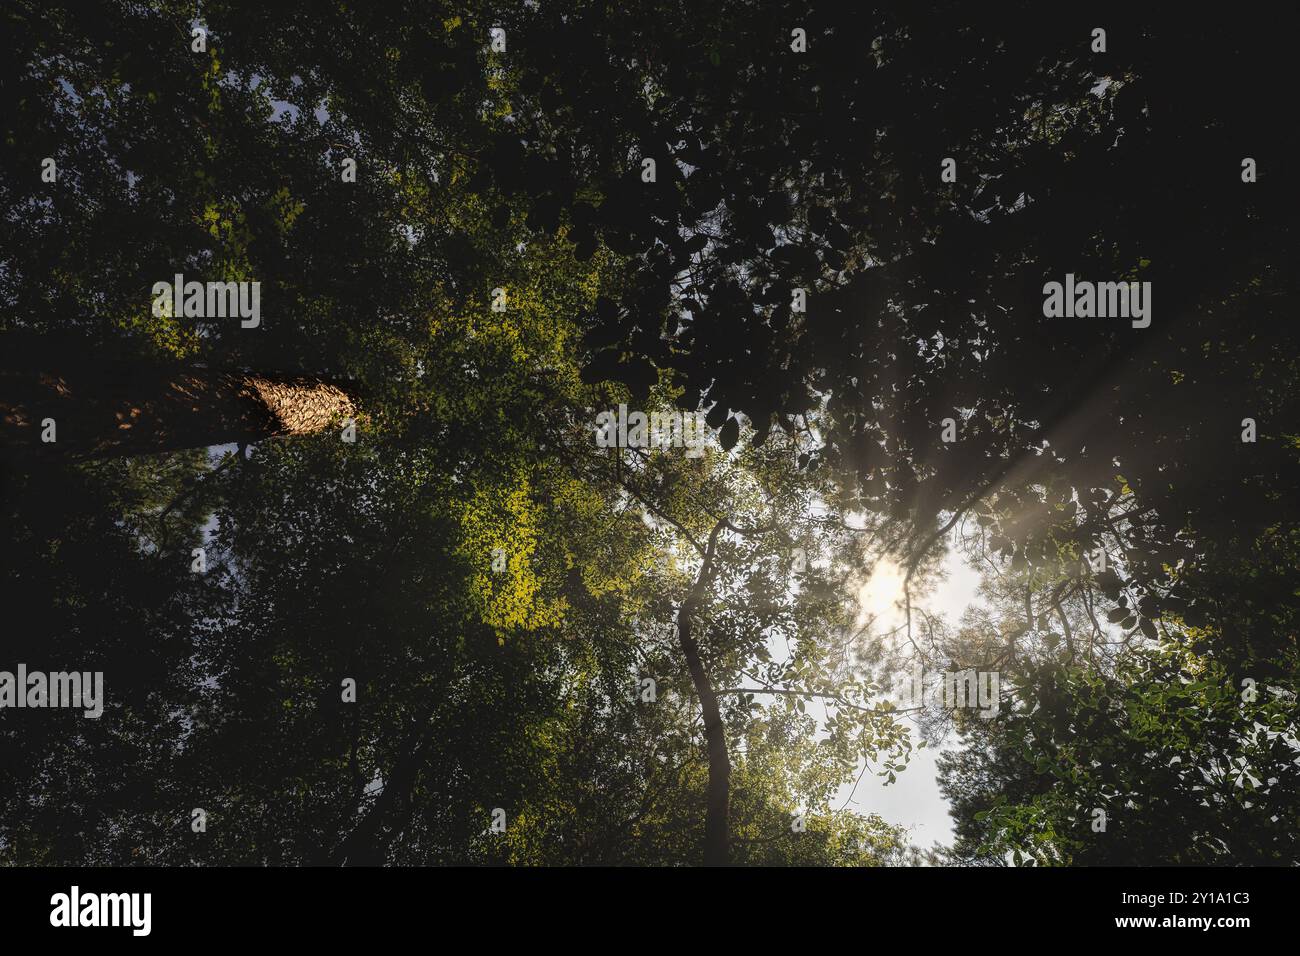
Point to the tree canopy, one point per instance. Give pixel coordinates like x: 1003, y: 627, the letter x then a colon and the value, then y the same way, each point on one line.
x: 367, y: 586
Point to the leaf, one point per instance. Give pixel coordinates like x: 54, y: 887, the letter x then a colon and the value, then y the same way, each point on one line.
x: 729, y: 434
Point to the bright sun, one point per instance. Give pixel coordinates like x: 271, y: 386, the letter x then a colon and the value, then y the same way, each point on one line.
x: 883, y: 591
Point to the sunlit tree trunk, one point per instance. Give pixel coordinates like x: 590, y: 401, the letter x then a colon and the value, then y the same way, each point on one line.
x: 93, y: 413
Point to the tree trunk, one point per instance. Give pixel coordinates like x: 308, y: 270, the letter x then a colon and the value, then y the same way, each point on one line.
x: 717, y: 837
x: 368, y: 842
x: 717, y: 834
x: 106, y: 411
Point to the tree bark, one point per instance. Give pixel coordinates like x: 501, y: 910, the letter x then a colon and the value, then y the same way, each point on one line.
x: 717, y: 833
x: 368, y: 842
x: 100, y: 412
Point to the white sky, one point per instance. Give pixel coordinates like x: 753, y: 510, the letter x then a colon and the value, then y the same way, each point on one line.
x: 913, y: 800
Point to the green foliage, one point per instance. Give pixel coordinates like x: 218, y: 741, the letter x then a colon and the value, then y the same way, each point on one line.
x: 481, y: 690
x: 1188, y: 766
